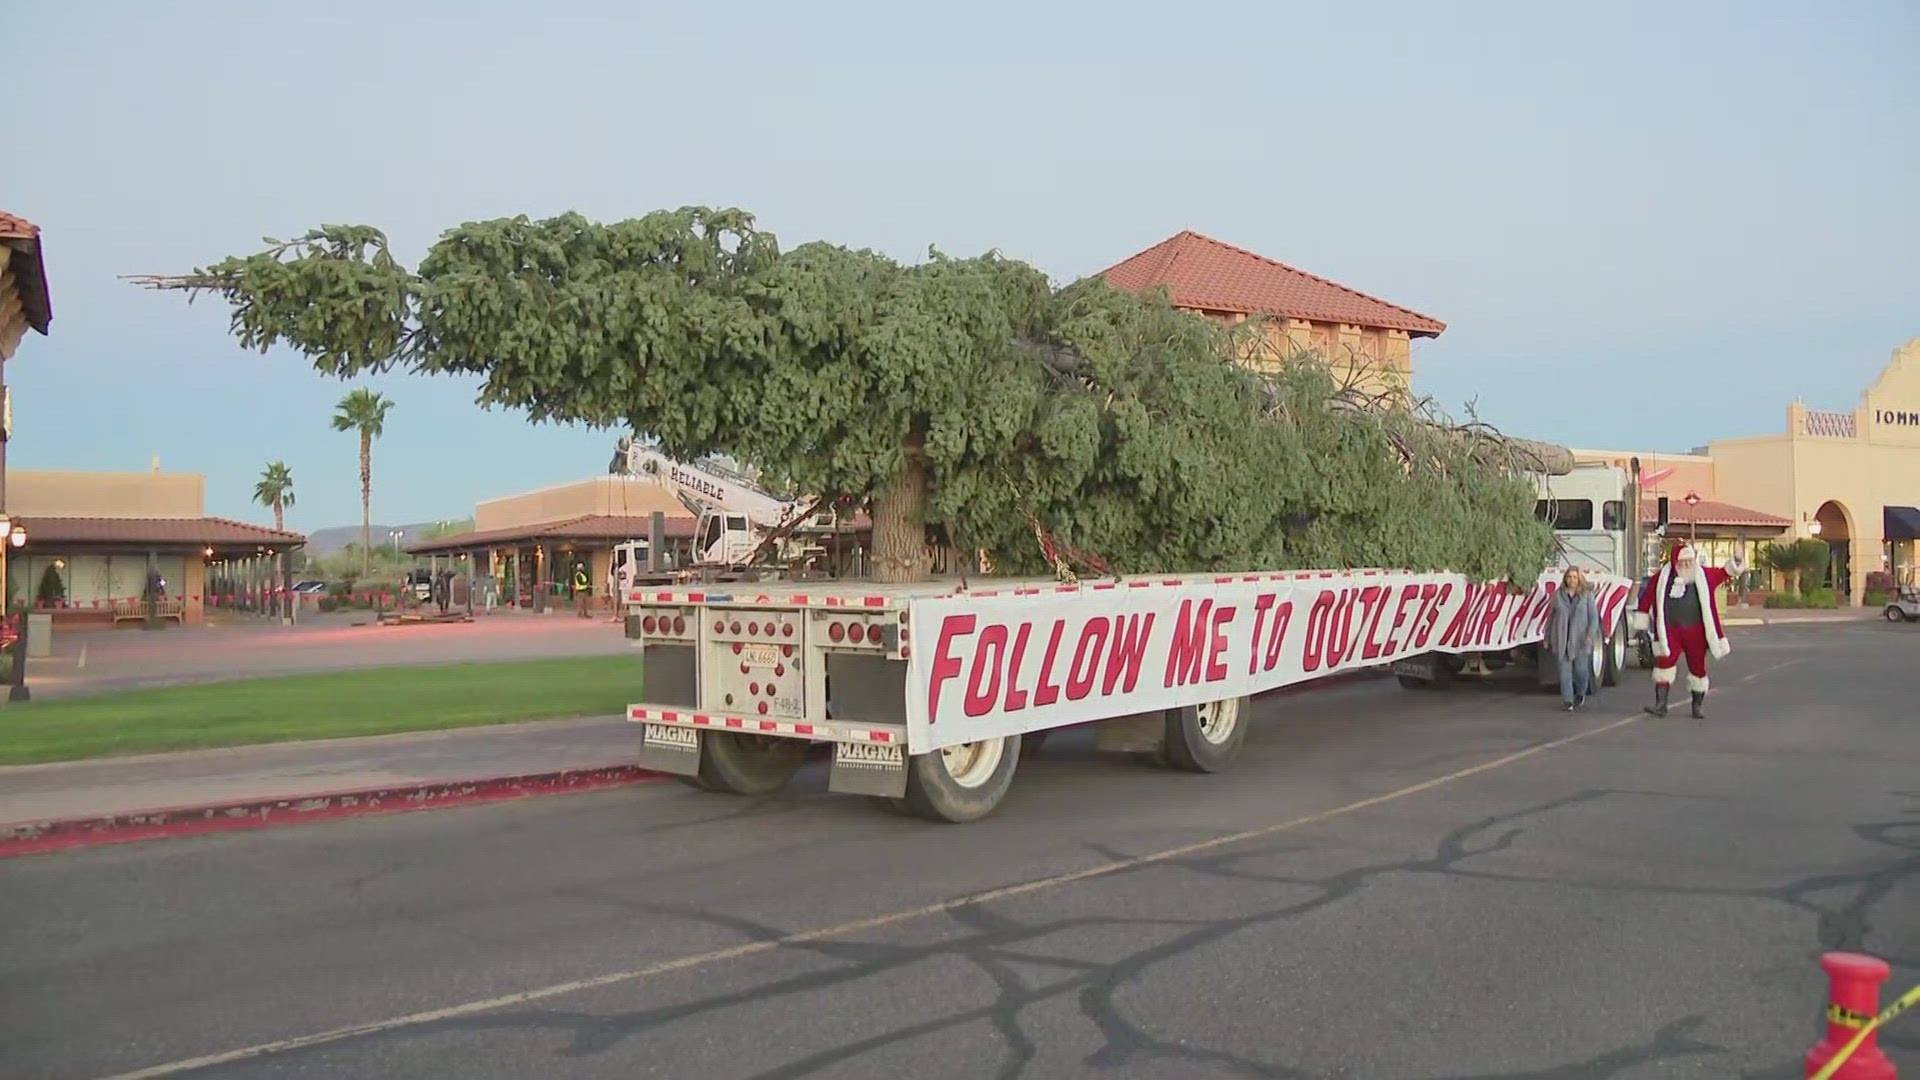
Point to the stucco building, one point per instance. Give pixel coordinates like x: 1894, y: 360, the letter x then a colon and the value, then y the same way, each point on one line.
x: 93, y: 539
x: 522, y: 548
x: 1850, y: 478
x: 1365, y: 339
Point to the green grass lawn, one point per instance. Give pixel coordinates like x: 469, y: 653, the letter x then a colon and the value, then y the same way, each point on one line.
x: 328, y: 705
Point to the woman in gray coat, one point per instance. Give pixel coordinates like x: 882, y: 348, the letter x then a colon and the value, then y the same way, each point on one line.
x: 1572, y: 627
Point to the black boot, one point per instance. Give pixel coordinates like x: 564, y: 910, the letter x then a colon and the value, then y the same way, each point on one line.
x: 1699, y: 704
x: 1659, y: 706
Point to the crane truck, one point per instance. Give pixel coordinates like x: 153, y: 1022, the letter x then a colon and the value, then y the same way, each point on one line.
x: 734, y: 513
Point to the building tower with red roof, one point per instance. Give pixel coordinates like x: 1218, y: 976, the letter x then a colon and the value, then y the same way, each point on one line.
x: 1364, y: 338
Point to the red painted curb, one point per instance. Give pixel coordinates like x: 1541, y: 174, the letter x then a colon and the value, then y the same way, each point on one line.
x: 59, y: 835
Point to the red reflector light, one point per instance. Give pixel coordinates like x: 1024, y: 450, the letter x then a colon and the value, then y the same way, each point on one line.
x: 856, y: 632
x: 786, y: 650
x: 779, y: 669
x: 763, y: 708
x: 719, y: 628
x: 679, y: 626
x: 736, y: 627
x: 786, y: 630
x: 738, y: 648
x: 836, y: 631
x: 753, y: 628
x: 649, y: 624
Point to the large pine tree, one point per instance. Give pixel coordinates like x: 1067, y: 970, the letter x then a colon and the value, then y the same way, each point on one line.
x: 966, y: 394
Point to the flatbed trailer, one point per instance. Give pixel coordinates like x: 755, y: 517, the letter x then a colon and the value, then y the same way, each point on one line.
x: 928, y: 692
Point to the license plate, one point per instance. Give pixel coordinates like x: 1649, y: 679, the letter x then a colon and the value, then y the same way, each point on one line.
x: 684, y: 738
x: 868, y: 756
x: 761, y: 656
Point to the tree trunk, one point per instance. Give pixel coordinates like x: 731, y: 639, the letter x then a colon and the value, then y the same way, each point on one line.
x: 366, y: 503
x: 899, y: 521
x: 280, y: 525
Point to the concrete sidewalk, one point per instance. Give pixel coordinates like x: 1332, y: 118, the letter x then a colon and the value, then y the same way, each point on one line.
x: 311, y: 778
x: 1736, y: 615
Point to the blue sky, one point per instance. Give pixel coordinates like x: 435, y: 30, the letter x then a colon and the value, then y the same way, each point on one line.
x: 1647, y: 225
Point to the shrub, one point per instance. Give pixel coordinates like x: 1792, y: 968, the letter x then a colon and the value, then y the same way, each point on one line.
x: 1812, y: 598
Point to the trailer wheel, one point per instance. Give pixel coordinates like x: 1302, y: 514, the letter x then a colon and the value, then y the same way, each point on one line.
x: 1616, y: 658
x: 1031, y: 742
x: 739, y: 763
x: 962, y: 783
x: 1206, y: 738
x: 1412, y: 682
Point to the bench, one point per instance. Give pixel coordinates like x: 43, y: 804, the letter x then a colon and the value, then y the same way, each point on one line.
x: 134, y: 608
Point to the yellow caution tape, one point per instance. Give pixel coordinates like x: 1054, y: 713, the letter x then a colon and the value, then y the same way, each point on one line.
x: 1901, y: 1004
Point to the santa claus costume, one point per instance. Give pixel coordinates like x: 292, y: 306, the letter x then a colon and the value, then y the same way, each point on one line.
x: 1685, y: 620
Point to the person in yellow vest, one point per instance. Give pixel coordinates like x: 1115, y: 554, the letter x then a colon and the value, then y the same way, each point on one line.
x: 582, y: 591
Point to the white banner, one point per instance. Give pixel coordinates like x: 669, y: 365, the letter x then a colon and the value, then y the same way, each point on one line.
x: 994, y: 664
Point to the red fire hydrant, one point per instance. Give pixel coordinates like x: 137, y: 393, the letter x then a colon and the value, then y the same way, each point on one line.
x: 1853, y: 998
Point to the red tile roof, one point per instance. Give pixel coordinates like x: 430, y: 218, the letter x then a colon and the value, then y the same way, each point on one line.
x: 44, y: 532
x: 1709, y: 512
x: 14, y: 227
x: 29, y: 267
x: 1203, y: 273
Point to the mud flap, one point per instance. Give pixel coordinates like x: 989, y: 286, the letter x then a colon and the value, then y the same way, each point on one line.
x: 670, y: 748
x: 868, y: 769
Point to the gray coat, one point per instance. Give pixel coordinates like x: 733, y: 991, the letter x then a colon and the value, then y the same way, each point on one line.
x: 1573, y: 625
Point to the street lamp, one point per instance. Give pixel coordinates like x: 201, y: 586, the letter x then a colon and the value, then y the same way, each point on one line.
x: 1693, y: 520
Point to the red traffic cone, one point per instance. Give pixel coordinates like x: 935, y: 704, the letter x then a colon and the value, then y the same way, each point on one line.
x: 1853, y: 998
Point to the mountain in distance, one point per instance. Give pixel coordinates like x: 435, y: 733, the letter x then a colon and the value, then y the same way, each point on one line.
x: 335, y: 538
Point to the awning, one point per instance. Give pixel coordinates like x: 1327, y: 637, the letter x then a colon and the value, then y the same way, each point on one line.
x: 1900, y: 522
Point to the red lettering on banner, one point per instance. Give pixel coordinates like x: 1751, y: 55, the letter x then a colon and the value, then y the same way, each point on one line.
x: 945, y: 664
x: 1277, y: 636
x: 1217, y: 667
x: 1537, y: 623
x: 1433, y: 599
x: 1016, y: 697
x: 1409, y: 591
x: 1047, y: 693
x: 1339, y: 644
x: 1130, y: 634
x: 983, y: 682
x: 1260, y: 605
x: 1456, y: 631
x: 1372, y: 601
x: 1314, y: 648
x: 1520, y: 612
x: 1189, y: 634
x: 1494, y: 596
x: 1086, y: 658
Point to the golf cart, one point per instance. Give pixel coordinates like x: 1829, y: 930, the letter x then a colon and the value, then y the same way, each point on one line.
x: 1905, y: 605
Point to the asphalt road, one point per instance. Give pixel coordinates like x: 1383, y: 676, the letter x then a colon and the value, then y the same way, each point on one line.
x: 1404, y: 889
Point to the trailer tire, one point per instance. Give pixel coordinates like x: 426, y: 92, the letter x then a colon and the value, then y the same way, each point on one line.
x: 962, y: 783
x: 1031, y: 742
x: 739, y: 763
x: 1616, y: 654
x: 1413, y: 682
x: 1206, y: 738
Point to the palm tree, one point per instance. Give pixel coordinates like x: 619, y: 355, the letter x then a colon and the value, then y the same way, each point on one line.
x: 365, y: 411
x: 275, y: 489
